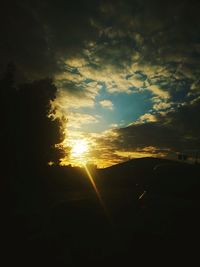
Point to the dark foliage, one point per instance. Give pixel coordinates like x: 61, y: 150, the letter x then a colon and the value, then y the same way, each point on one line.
x: 28, y: 138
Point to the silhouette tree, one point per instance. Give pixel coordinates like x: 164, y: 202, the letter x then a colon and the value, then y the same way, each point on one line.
x: 37, y: 134
x: 28, y: 137
x: 28, y: 134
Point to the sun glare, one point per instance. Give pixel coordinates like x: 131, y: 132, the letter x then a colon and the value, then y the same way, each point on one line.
x: 79, y: 148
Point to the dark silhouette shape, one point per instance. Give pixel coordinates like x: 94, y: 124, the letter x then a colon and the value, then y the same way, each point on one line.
x: 28, y: 135
x: 28, y: 138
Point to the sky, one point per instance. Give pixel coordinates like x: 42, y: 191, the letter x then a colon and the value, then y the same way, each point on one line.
x: 127, y: 72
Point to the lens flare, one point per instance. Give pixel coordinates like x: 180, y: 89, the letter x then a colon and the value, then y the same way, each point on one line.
x: 97, y: 193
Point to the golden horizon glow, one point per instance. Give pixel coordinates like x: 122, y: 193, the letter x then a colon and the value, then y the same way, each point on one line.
x: 88, y: 148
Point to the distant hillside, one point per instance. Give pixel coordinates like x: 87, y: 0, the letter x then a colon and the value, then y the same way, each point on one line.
x: 147, y: 163
x: 144, y: 202
x: 159, y: 175
x: 135, y: 170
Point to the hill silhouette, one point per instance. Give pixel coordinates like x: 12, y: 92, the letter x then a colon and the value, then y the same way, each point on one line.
x: 156, y: 174
x: 152, y: 205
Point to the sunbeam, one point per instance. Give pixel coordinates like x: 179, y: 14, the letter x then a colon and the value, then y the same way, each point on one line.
x: 98, y: 193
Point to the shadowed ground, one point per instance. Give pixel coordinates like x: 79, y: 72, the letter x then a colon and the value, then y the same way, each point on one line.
x: 152, y: 204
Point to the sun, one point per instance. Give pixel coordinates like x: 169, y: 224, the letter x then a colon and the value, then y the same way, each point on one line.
x: 79, y: 148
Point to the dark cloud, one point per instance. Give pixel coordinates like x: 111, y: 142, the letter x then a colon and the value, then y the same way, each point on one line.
x: 162, y: 35
x: 177, y: 130
x: 38, y: 35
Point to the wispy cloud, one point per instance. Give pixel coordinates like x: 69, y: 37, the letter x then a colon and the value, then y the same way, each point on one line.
x: 148, y: 117
x: 77, y: 120
x: 106, y: 104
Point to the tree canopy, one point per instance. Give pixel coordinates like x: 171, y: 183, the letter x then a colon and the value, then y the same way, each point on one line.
x: 28, y: 134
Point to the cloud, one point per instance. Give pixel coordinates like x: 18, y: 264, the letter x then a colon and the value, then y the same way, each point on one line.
x: 148, y: 151
x: 114, y: 125
x: 47, y: 34
x: 66, y: 100
x: 106, y: 43
x: 158, y: 92
x: 76, y: 62
x: 75, y: 94
x: 39, y: 37
x: 123, y: 47
x: 175, y: 131
x: 77, y: 120
x: 162, y: 105
x: 145, y: 118
x: 106, y: 104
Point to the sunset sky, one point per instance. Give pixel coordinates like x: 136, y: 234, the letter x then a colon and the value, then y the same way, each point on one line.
x: 128, y: 72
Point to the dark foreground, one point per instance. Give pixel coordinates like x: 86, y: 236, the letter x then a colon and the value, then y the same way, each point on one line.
x: 150, y: 215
